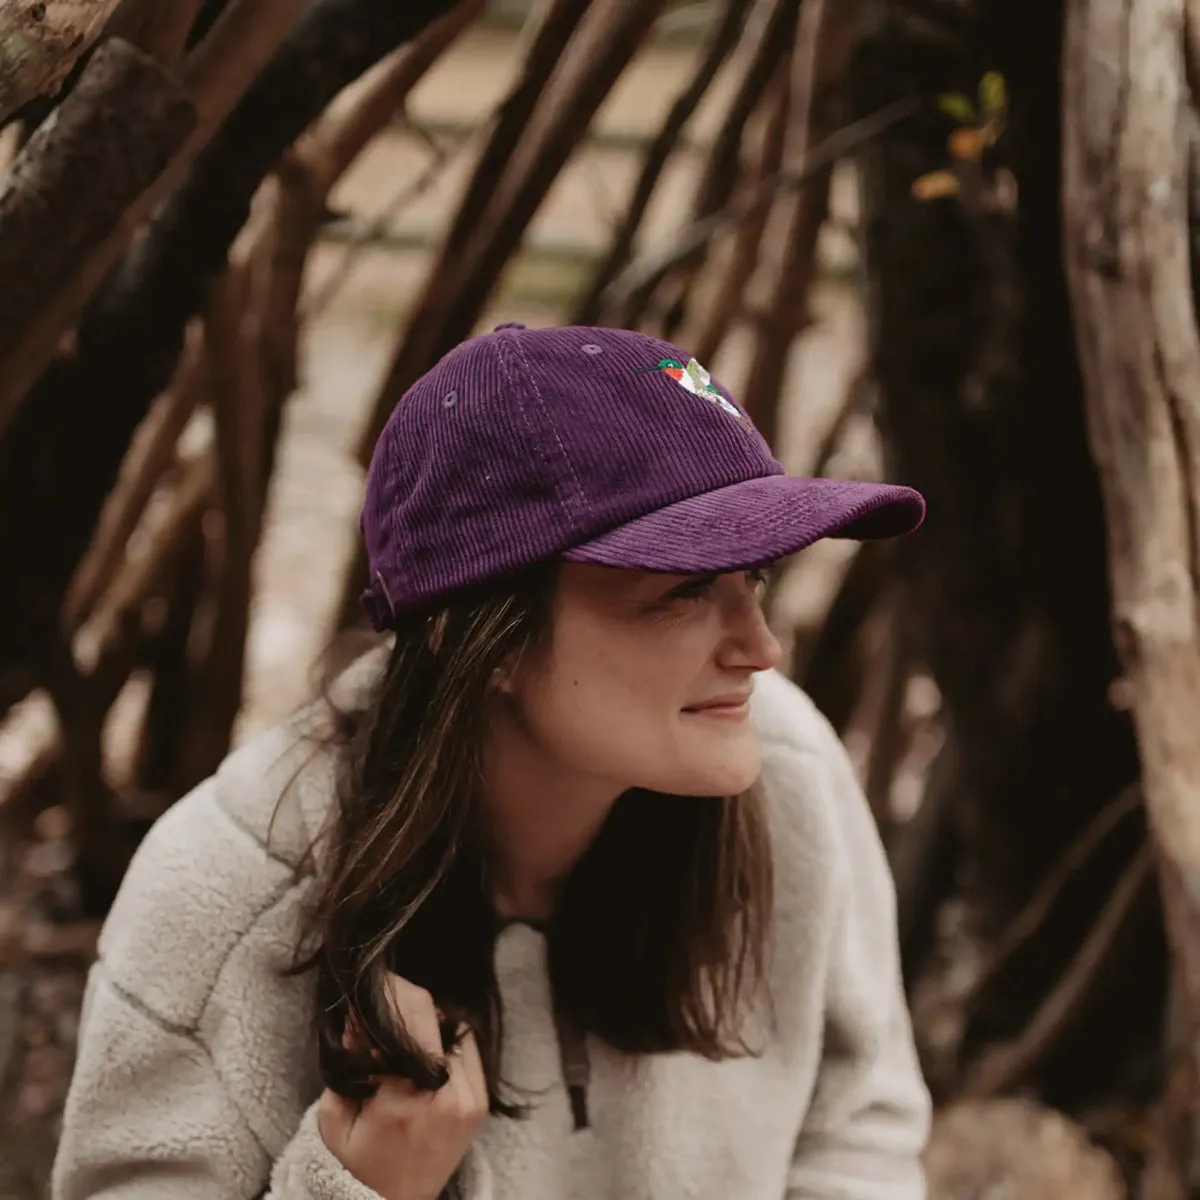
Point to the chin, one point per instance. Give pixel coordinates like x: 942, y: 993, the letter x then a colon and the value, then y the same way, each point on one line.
x: 712, y: 772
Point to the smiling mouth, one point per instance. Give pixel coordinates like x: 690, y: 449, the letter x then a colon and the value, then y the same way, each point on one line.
x: 728, y: 707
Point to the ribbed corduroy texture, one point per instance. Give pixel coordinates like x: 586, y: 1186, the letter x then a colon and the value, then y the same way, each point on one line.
x: 521, y: 445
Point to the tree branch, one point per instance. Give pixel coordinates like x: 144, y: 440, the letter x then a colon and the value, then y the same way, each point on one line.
x: 444, y: 315
x: 1127, y: 241
x: 722, y: 41
x: 41, y: 42
x: 1005, y: 1066
x: 129, y: 340
x: 644, y: 274
x: 75, y: 178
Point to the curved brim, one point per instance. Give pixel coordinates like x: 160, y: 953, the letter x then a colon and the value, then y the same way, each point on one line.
x: 753, y: 523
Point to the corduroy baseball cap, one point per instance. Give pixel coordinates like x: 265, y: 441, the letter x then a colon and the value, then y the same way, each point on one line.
x: 594, y: 445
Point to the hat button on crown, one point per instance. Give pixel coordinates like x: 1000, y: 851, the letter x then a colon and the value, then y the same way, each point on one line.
x: 508, y: 325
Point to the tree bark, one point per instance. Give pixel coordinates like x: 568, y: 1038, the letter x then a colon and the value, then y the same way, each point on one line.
x: 80, y: 417
x: 41, y: 42
x: 214, y: 78
x: 982, y: 410
x: 1126, y: 235
x: 76, y: 176
x: 160, y: 30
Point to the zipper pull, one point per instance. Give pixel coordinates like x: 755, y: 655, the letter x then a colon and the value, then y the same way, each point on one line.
x: 576, y: 1066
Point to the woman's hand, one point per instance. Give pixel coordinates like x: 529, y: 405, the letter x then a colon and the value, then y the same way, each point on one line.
x: 404, y: 1143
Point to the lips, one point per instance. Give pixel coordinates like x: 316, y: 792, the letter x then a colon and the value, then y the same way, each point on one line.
x: 729, y: 703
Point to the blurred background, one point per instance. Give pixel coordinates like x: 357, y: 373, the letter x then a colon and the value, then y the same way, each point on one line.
x: 943, y: 242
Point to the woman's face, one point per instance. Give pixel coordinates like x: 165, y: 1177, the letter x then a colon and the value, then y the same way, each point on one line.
x: 647, y: 678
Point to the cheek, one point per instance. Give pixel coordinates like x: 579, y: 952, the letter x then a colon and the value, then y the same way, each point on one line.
x: 609, y: 705
x: 633, y: 734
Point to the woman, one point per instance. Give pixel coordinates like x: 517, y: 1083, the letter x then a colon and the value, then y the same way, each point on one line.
x: 550, y: 907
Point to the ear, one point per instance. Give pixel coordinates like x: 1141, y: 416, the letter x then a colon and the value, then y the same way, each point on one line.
x: 502, y: 681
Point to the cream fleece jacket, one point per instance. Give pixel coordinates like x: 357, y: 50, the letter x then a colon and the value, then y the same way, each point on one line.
x: 197, y: 1075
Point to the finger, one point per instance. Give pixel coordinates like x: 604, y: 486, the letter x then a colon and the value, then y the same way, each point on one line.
x: 415, y: 1008
x: 466, y: 1072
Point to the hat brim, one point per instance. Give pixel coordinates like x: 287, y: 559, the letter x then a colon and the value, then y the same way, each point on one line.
x: 753, y: 523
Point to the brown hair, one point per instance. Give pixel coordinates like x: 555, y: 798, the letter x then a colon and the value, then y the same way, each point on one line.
x: 660, y: 933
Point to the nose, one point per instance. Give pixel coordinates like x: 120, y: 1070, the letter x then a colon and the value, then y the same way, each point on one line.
x: 750, y: 644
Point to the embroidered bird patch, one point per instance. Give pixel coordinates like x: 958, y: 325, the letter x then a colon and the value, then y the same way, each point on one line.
x: 693, y: 378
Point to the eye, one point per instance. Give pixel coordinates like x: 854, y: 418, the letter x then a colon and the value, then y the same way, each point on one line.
x: 758, y: 578
x: 694, y: 589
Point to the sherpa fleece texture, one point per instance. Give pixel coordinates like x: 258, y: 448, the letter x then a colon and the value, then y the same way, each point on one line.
x: 197, y: 1075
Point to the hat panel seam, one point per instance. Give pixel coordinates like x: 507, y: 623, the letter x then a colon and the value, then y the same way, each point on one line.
x: 507, y: 367
x: 549, y: 420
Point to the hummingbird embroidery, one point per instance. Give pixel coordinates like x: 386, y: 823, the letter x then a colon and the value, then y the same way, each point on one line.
x: 693, y: 378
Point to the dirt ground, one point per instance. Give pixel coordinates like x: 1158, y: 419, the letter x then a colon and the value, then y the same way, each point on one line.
x: 313, y: 507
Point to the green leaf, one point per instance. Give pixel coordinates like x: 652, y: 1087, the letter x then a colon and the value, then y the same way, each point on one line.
x: 957, y: 106
x: 993, y: 93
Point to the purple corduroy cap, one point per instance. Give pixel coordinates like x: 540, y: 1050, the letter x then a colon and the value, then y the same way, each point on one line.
x: 594, y: 445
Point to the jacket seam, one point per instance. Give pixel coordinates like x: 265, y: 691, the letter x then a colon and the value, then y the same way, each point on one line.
x: 132, y: 1001
x: 242, y: 827
x: 211, y: 984
x: 260, y: 915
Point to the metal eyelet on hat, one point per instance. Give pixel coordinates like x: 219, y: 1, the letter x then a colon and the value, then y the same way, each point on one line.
x: 450, y: 399
x: 592, y: 348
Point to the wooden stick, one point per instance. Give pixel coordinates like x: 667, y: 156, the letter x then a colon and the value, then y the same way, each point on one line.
x: 278, y: 263
x: 41, y: 42
x: 826, y: 39
x: 1127, y: 242
x: 358, y: 115
x: 127, y: 344
x: 890, y: 733
x: 253, y: 333
x: 157, y: 763
x: 452, y: 302
x: 1003, y: 1067
x: 1031, y: 918
x: 365, y: 107
x: 143, y: 577
x: 632, y: 288
x: 552, y: 34
x: 724, y: 38
x: 327, y: 153
x: 73, y: 181
x: 546, y: 49
x: 240, y: 402
x: 712, y: 325
x: 87, y: 795
x: 150, y: 457
x: 160, y: 30
x: 214, y: 78
x: 830, y: 672
x: 626, y: 307
x: 1191, y: 47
